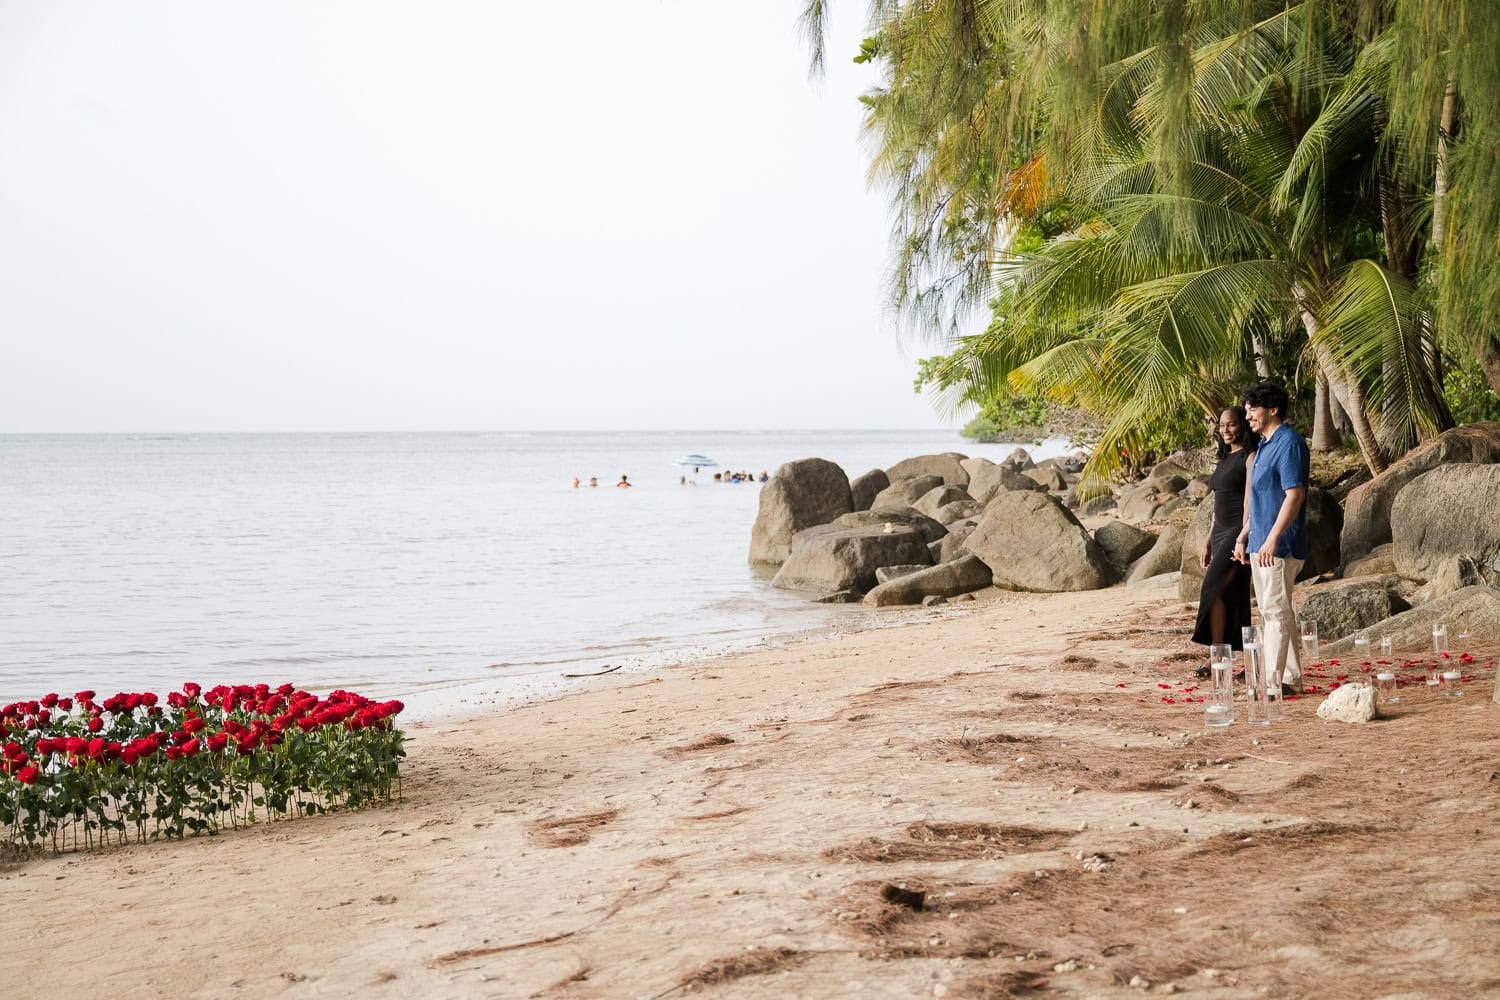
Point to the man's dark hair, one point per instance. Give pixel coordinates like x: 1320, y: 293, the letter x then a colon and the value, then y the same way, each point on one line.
x: 1267, y: 395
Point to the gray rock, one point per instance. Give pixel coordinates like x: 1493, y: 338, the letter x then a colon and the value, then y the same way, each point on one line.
x: 1379, y: 562
x: 905, y: 492
x: 929, y: 502
x: 1345, y: 608
x: 802, y: 494
x: 1454, y: 510
x: 1018, y: 460
x: 1030, y: 541
x: 1350, y: 703
x: 947, y: 467
x: 1124, y: 543
x: 841, y: 597
x: 958, y: 510
x: 948, y: 580
x: 931, y: 530
x: 933, y: 600
x: 1138, y: 503
x: 1192, y: 548
x: 1367, y: 511
x: 973, y: 465
x: 1098, y: 505
x: 995, y: 479
x: 952, y: 546
x: 1169, y: 508
x: 1169, y: 469
x: 1453, y: 573
x: 1197, y: 489
x: 826, y: 558
x: 1165, y: 556
x: 1165, y: 483
x: 1049, y: 476
x: 885, y: 574
x: 1325, y: 521
x: 867, y: 487
x: 1477, y: 608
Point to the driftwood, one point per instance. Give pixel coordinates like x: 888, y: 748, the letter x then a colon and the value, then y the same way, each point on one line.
x: 598, y: 673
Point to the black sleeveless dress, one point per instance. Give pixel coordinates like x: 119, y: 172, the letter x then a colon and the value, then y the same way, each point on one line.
x: 1224, y: 575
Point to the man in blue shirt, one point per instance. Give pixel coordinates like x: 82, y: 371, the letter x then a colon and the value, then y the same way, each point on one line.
x: 1274, y: 538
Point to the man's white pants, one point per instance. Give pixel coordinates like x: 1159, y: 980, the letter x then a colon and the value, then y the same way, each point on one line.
x: 1280, y: 636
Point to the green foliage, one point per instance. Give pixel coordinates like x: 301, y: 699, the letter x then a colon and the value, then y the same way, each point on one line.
x: 1011, y: 419
x: 1156, y: 195
x: 1469, y: 395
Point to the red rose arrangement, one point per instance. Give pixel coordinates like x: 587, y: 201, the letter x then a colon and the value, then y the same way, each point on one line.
x: 75, y: 772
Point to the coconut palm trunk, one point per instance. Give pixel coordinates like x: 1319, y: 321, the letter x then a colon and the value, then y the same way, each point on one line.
x: 1344, y: 388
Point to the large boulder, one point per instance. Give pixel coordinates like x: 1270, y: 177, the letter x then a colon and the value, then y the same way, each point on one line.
x: 931, y: 530
x: 1344, y: 608
x: 802, y: 494
x: 1367, y: 511
x: 952, y: 546
x: 1124, y: 543
x: 1139, y: 502
x: 1454, y: 510
x: 948, y: 580
x: 867, y: 487
x: 973, y: 465
x: 958, y: 510
x: 1377, y: 562
x: 905, y: 492
x: 946, y: 467
x: 1018, y: 460
x: 1477, y: 608
x: 1193, y: 538
x: 1050, y: 476
x: 1032, y: 542
x: 1164, y: 557
x: 995, y: 479
x: 1325, y: 522
x: 825, y: 559
x: 929, y: 502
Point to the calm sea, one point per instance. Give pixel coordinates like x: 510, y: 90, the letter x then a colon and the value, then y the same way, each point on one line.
x: 450, y: 570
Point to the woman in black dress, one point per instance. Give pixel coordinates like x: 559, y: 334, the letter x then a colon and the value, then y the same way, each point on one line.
x: 1224, y: 600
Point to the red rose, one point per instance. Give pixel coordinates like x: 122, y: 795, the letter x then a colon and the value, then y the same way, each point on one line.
x: 191, y: 690
x: 96, y: 748
x: 49, y: 700
x: 217, y: 742
x: 84, y: 696
x: 128, y: 755
x: 194, y: 724
x: 28, y: 775
x: 190, y: 747
x: 66, y: 704
x: 96, y: 724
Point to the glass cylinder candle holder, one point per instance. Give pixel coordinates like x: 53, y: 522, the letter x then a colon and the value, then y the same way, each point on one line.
x: 1434, y: 671
x: 1218, y: 708
x: 1440, y: 639
x: 1385, y: 687
x: 1450, y: 682
x: 1257, y: 690
x: 1362, y: 650
x: 1387, y: 647
x: 1310, y: 641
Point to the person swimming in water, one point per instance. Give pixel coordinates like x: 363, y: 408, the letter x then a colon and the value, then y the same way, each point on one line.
x: 624, y: 481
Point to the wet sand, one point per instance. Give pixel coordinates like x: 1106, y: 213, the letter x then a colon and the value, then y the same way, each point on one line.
x: 727, y: 828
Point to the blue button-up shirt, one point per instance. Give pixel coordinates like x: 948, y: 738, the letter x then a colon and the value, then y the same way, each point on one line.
x: 1281, y: 463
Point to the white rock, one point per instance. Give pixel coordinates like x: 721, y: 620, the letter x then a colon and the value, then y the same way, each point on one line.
x: 1140, y: 983
x: 1350, y: 703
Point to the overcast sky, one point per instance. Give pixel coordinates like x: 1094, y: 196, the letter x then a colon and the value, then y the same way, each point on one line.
x: 444, y: 215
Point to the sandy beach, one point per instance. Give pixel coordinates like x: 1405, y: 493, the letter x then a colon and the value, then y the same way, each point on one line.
x: 725, y: 828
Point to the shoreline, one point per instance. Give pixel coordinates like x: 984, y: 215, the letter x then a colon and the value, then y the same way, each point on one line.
x: 1014, y: 762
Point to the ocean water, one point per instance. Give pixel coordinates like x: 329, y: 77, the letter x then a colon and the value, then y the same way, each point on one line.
x: 449, y: 570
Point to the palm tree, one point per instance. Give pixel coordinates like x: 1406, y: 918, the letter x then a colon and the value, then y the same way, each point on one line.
x: 1231, y: 180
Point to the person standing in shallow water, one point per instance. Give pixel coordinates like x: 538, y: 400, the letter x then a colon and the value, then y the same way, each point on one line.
x: 1224, y: 599
x: 1273, y: 541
